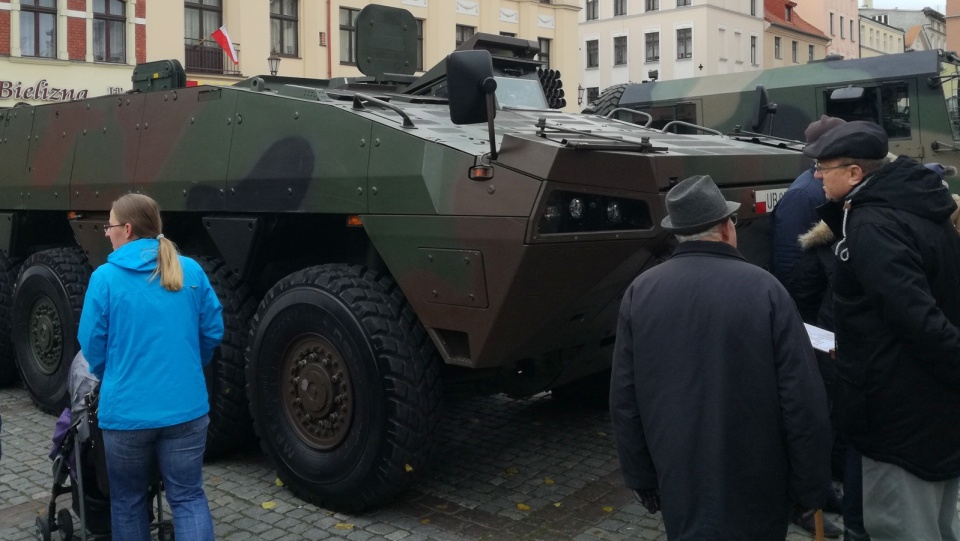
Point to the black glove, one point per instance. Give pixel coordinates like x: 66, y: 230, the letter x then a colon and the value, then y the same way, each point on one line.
x: 649, y: 498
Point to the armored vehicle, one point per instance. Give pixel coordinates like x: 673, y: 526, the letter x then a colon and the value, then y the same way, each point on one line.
x: 912, y: 95
x: 373, y: 242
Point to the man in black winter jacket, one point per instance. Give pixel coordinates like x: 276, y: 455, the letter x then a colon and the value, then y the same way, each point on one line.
x: 897, y: 311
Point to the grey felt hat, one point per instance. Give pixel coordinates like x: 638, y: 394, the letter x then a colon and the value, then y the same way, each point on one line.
x: 695, y: 204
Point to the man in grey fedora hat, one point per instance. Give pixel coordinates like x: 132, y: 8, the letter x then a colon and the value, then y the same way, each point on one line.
x: 718, y: 411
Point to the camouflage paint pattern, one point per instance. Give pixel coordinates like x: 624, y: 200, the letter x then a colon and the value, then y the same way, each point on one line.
x: 203, y: 151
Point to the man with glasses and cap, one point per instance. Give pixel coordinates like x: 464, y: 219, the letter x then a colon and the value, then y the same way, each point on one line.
x: 718, y: 411
x: 896, y: 301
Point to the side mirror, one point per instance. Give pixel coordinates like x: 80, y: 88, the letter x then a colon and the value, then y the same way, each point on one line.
x: 847, y: 94
x: 763, y: 109
x: 469, y: 81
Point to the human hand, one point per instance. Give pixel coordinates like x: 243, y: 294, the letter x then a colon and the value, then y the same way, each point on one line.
x: 649, y: 498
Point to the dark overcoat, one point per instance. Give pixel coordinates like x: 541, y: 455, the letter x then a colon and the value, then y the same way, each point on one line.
x: 715, y: 397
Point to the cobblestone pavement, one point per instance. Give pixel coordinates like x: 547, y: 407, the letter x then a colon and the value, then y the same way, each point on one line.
x: 505, y: 469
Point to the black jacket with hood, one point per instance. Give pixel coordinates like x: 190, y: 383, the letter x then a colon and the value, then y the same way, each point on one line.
x: 897, y: 312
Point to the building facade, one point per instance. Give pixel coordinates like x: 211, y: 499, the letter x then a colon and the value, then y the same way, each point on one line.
x: 57, y: 50
x: 70, y: 49
x: 924, y: 29
x: 839, y: 20
x: 637, y: 40
x: 877, y: 38
x: 788, y: 39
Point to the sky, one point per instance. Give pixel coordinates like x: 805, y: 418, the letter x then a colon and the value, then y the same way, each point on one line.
x: 939, y: 5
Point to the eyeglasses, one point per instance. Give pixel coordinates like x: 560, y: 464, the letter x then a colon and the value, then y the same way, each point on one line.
x: 821, y: 169
x: 733, y: 218
x: 106, y: 227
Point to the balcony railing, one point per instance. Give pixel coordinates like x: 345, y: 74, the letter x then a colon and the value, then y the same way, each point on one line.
x: 206, y: 56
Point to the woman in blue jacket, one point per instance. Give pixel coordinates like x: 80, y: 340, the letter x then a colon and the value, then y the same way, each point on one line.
x: 150, y: 323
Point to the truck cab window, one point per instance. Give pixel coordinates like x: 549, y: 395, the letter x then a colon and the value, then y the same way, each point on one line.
x: 887, y: 105
x: 686, y: 112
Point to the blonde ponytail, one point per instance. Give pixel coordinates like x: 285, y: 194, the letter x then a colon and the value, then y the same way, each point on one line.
x: 168, y: 265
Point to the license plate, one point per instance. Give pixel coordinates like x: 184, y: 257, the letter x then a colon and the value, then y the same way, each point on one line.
x: 766, y: 200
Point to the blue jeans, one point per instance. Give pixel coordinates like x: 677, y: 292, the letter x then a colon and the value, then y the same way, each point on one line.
x: 178, y: 451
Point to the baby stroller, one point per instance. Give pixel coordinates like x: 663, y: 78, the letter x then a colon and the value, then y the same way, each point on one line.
x: 79, y: 468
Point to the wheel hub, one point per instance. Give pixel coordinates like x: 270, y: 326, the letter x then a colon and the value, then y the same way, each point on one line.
x: 45, y: 335
x: 318, y: 394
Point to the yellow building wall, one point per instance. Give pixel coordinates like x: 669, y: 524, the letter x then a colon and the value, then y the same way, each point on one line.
x: 248, y: 23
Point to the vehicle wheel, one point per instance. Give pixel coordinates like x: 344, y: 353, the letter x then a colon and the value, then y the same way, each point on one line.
x: 65, y: 524
x: 230, y: 424
x: 8, y: 357
x: 344, y: 386
x: 608, y: 101
x: 46, y: 310
x: 42, y: 529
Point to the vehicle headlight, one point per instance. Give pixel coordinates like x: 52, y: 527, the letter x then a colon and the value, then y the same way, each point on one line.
x: 576, y: 208
x: 613, y: 212
x: 576, y: 212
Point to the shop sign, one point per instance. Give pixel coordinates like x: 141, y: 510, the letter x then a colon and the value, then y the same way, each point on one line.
x: 40, y: 91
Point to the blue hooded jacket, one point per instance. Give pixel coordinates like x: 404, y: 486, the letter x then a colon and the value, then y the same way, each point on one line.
x: 147, y: 345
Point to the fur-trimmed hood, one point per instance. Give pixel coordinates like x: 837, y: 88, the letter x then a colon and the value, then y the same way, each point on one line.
x: 819, y: 235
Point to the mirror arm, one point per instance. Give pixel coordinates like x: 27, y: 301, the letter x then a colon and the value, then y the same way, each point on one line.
x: 489, y: 86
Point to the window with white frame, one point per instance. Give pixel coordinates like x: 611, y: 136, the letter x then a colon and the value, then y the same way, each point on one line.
x: 619, y: 7
x: 591, y: 10
x: 684, y: 43
x: 652, y: 43
x: 620, y: 50
x: 464, y: 33
x: 109, y: 35
x: 38, y: 28
x: 544, y: 55
x: 593, y: 53
x: 776, y: 48
x: 283, y: 26
x: 794, y: 51
x: 753, y: 50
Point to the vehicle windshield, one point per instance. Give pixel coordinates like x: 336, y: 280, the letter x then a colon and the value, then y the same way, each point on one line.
x: 520, y: 93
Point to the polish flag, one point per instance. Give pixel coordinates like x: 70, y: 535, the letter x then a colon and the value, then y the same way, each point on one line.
x: 223, y: 39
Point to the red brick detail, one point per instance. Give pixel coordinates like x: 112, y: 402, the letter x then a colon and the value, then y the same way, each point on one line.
x: 141, y: 9
x: 4, y: 32
x: 77, y: 38
x: 77, y: 5
x: 141, y: 43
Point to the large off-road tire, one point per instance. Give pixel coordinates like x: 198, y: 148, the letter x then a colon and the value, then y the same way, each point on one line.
x: 46, y: 310
x: 8, y: 357
x: 608, y: 101
x: 344, y: 386
x: 230, y: 425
